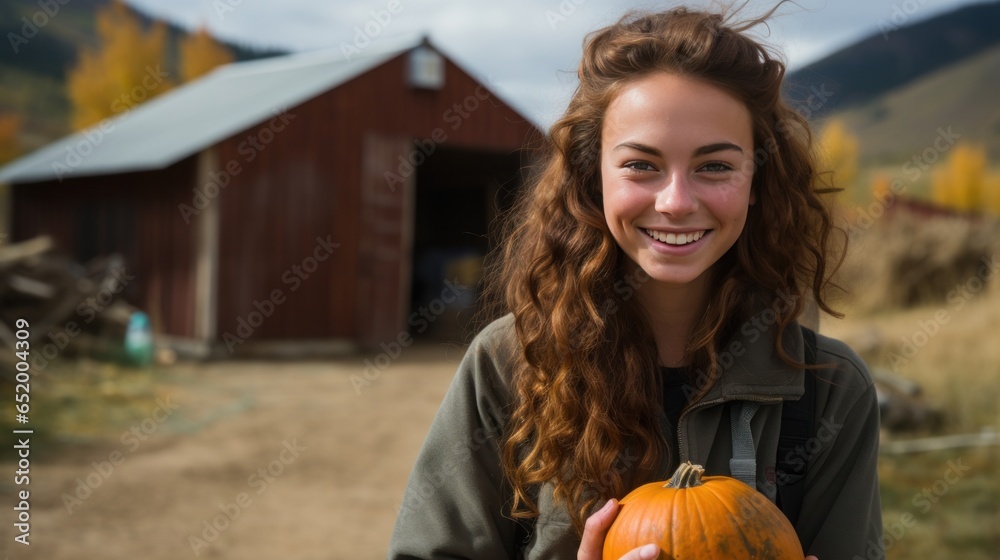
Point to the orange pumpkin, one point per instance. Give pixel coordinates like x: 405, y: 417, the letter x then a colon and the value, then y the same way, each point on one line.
x: 695, y: 518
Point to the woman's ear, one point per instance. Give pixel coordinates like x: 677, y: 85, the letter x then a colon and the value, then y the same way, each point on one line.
x: 753, y: 197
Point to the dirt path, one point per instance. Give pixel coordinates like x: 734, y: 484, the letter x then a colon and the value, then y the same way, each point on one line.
x: 302, y: 466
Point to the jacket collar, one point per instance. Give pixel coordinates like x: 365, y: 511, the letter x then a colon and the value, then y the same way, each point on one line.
x: 752, y: 369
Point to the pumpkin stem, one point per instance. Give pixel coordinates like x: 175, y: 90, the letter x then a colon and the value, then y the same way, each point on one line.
x: 686, y: 476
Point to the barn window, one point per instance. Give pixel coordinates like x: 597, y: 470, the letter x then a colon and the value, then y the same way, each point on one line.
x: 426, y: 68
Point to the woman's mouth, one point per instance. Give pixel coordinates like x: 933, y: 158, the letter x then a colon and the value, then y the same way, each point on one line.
x: 676, y: 238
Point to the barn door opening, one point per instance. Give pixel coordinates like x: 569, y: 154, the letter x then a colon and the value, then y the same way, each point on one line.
x: 459, y: 194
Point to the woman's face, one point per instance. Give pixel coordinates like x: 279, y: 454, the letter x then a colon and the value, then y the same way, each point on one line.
x: 676, y: 167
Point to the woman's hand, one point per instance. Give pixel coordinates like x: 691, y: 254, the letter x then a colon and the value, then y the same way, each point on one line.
x: 596, y: 528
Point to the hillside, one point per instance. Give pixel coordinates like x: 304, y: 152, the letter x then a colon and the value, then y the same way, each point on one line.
x: 961, y: 97
x: 893, y: 57
x: 34, y: 71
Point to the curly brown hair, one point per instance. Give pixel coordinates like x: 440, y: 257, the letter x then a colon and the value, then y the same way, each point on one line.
x: 587, y: 385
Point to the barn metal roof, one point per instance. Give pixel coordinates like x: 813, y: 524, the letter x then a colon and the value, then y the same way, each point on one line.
x: 196, y: 115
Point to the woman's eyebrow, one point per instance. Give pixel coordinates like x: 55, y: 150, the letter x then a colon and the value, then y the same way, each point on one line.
x: 717, y: 147
x: 640, y: 147
x: 703, y: 150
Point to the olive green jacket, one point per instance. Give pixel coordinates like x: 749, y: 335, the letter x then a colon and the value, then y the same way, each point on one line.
x: 457, y: 501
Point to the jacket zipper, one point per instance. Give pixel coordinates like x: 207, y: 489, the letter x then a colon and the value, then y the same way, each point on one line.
x: 682, y: 447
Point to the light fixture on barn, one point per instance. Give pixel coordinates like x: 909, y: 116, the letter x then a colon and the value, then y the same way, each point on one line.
x: 426, y: 67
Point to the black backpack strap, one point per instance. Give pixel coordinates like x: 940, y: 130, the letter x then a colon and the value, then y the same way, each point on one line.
x: 796, y: 429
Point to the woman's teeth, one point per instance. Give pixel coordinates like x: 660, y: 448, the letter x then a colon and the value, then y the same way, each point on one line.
x: 675, y: 238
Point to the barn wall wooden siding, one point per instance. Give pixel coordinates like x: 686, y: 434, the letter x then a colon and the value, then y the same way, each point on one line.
x: 134, y: 214
x: 305, y: 185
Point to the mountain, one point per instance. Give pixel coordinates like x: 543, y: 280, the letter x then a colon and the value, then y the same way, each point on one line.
x: 898, y: 54
x: 959, y: 99
x: 41, y: 47
x: 900, y: 89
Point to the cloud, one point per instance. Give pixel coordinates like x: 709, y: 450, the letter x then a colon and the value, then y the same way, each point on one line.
x: 529, y: 48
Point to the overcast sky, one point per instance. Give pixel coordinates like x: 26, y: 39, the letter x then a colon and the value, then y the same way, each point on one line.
x: 527, y: 50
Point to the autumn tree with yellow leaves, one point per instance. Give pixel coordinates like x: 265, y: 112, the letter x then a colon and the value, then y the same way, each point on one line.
x: 991, y: 197
x: 10, y: 144
x: 959, y: 183
x: 123, y: 71
x: 881, y: 188
x: 200, y: 53
x: 837, y: 151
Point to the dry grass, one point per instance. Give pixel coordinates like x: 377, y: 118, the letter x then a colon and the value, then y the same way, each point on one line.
x: 360, y: 447
x: 959, y: 371
x: 909, y: 314
x: 904, y: 260
x: 923, y: 302
x: 930, y: 512
x: 958, y: 366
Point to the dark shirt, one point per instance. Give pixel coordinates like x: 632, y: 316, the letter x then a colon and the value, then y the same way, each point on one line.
x: 674, y: 393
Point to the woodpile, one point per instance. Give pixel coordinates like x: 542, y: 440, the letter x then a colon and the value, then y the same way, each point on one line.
x: 72, y: 309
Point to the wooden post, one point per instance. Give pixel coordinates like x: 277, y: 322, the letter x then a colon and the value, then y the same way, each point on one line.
x: 206, y: 256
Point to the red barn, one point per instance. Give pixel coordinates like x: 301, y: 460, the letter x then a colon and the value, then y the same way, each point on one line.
x: 313, y: 198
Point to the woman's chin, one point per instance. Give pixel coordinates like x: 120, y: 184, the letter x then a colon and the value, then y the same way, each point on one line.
x: 674, y: 275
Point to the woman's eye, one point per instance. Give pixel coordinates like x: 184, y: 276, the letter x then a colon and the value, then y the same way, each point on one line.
x: 716, y: 167
x: 639, y: 166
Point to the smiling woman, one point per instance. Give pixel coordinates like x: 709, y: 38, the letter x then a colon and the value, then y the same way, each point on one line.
x: 675, y: 180
x: 677, y: 165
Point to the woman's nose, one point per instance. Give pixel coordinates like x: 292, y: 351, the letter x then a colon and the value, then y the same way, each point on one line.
x: 676, y: 196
